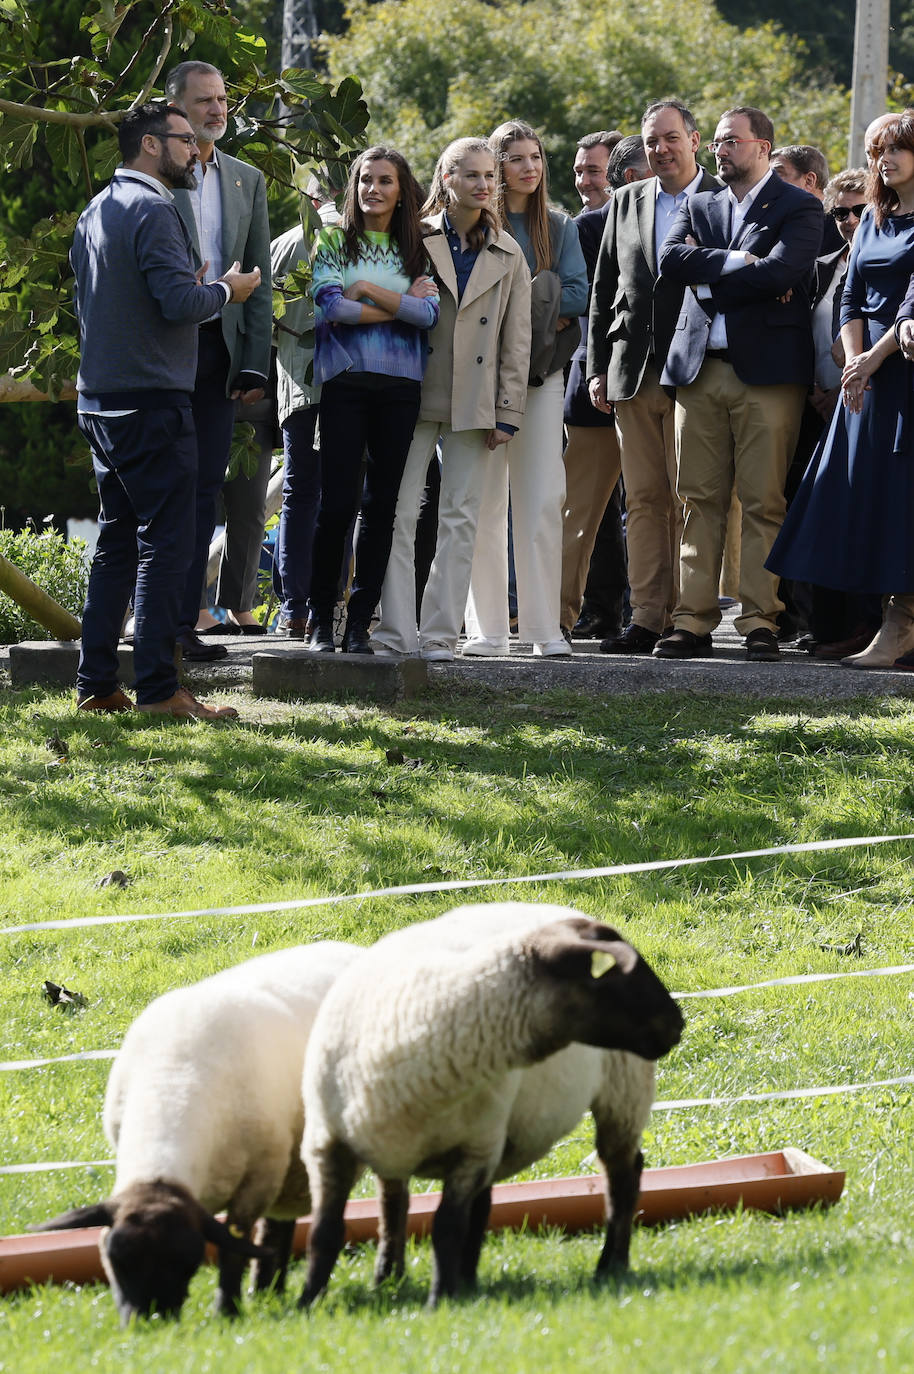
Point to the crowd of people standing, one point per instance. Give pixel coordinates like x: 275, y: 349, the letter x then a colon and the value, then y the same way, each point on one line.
x: 719, y: 361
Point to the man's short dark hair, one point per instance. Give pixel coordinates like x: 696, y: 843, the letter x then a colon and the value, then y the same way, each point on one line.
x: 688, y: 118
x: 606, y: 138
x: 151, y: 118
x: 803, y: 158
x: 176, y: 79
x: 628, y: 152
x: 759, y: 122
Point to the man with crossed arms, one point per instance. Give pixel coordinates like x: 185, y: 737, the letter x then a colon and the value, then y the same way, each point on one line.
x: 742, y: 361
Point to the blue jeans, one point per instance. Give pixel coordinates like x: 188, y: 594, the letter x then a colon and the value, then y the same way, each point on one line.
x: 146, y: 469
x: 301, y: 495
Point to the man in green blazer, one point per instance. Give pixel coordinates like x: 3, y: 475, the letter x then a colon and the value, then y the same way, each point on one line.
x: 226, y: 220
x: 633, y: 315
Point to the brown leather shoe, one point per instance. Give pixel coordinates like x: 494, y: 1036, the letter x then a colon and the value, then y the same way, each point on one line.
x: 185, y: 706
x: 116, y: 701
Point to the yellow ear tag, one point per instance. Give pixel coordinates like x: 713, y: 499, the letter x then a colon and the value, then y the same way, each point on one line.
x: 600, y: 963
x: 235, y: 1231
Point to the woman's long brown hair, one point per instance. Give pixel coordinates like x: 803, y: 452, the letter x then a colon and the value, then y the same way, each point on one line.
x: 405, y: 229
x: 882, y: 198
x: 537, y: 211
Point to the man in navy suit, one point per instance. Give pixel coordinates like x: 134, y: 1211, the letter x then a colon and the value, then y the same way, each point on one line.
x: 741, y: 360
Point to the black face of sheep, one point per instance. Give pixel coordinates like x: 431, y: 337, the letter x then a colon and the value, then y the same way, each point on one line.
x: 609, y: 996
x: 155, y: 1243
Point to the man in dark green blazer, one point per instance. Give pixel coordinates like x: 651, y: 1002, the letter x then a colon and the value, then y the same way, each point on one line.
x: 226, y: 218
x: 633, y: 314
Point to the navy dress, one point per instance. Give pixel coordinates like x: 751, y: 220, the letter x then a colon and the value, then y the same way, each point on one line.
x: 851, y: 524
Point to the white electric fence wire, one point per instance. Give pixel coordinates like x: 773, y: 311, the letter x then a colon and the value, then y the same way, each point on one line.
x: 671, y: 1106
x: 461, y: 884
x: 792, y: 980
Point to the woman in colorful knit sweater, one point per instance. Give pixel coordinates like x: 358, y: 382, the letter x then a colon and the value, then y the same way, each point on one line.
x: 473, y: 396
x: 374, y: 304
x: 533, y: 460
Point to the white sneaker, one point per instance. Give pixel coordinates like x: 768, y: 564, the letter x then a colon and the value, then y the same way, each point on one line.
x: 485, y: 648
x: 382, y: 650
x: 553, y: 648
x: 436, y: 652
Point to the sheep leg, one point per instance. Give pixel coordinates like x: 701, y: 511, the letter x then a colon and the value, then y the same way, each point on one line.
x: 332, y: 1180
x: 271, y: 1273
x: 450, y: 1231
x: 394, y: 1205
x: 228, y: 1292
x: 623, y: 1182
x: 476, y: 1233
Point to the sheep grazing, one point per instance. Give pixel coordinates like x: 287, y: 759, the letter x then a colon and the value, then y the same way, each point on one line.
x: 204, y: 1109
x: 462, y: 1049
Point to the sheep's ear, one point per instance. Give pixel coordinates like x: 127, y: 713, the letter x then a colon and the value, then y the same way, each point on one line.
x: 95, y: 1214
x: 567, y: 950
x: 230, y: 1238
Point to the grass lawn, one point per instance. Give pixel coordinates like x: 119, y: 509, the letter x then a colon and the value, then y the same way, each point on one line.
x: 303, y: 801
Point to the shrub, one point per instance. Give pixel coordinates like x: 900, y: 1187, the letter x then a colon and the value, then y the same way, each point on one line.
x: 58, y: 567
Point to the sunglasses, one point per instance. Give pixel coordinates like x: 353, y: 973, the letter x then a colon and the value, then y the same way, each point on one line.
x: 841, y: 212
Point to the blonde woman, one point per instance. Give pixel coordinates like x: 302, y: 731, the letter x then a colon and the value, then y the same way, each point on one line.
x: 472, y: 396
x: 531, y: 462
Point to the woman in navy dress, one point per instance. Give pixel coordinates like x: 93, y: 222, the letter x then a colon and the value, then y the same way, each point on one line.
x: 851, y: 524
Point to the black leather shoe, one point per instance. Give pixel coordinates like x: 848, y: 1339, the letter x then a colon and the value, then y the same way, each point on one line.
x: 634, y: 639
x: 321, y: 641
x: 762, y: 646
x: 193, y: 649
x: 684, y: 644
x: 357, y: 640
x: 590, y: 626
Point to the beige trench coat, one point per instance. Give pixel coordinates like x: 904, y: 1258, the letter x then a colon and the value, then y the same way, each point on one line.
x: 479, y: 351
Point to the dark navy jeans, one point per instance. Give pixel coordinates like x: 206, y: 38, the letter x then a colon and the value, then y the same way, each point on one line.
x: 214, y: 419
x: 301, y: 496
x: 146, y: 469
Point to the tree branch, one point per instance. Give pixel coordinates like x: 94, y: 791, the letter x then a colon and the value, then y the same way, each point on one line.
x: 167, y: 35
x: 36, y: 114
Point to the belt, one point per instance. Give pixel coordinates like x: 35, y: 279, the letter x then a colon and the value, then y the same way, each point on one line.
x: 721, y: 354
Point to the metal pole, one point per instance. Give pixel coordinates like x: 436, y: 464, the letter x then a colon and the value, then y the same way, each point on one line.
x: 870, y: 79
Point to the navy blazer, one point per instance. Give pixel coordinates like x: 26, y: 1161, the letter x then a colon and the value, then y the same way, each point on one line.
x: 906, y: 310
x: 769, y: 341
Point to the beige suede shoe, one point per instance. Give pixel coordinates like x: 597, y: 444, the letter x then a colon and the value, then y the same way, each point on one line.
x: 185, y: 706
x: 893, y: 639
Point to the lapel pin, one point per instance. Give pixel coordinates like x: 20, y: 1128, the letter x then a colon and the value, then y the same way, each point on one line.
x: 238, y: 184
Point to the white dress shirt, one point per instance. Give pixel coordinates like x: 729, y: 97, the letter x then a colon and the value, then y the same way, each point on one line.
x: 668, y: 208
x: 736, y: 258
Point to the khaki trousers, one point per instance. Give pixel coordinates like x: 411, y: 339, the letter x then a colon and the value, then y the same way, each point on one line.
x: 592, y: 467
x: 653, y: 511
x: 731, y: 435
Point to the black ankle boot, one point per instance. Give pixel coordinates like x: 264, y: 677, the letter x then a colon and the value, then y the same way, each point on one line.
x: 321, y: 641
x: 357, y: 640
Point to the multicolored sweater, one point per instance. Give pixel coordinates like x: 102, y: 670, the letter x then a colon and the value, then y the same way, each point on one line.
x: 342, y: 343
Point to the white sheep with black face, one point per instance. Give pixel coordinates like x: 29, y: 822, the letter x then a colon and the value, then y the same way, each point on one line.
x: 462, y: 1049
x: 204, y: 1109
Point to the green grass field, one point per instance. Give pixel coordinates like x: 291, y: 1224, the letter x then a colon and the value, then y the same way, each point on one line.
x: 302, y: 801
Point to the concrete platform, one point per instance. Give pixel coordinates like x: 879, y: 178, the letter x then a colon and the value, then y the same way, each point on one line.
x: 288, y: 669
x: 291, y: 670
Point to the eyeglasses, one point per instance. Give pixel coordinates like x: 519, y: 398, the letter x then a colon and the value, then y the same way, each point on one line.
x: 727, y: 145
x: 189, y: 139
x: 841, y: 212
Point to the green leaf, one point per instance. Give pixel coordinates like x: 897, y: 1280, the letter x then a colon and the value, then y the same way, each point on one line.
x: 104, y: 158
x: 63, y: 145
x: 303, y: 83
x: 17, y: 139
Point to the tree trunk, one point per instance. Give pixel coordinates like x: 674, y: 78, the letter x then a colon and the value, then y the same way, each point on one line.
x: 36, y: 603
x: 299, y: 28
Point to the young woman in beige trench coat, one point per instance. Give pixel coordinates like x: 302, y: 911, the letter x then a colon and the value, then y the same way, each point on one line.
x: 472, y: 400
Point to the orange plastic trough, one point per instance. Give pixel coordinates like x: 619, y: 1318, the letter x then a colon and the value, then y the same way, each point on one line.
x: 774, y: 1182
